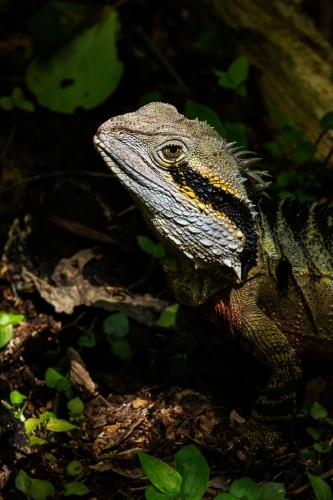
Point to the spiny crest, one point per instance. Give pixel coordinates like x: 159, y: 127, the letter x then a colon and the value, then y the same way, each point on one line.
x: 259, y: 185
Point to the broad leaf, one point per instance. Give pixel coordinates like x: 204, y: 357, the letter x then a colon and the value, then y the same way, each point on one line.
x: 193, y: 468
x: 321, y: 488
x: 164, y: 478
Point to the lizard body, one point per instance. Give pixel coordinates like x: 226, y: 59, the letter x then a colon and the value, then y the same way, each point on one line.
x: 266, y: 271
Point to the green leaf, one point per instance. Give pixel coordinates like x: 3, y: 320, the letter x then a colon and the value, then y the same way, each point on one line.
x: 274, y: 148
x: 50, y: 457
x: 36, y: 440
x: 283, y: 118
x: 238, y: 70
x: 194, y: 110
x: 6, y: 103
x: 326, y: 122
x: 17, y: 398
x: 16, y: 95
x: 154, y: 249
x: 285, y: 178
x: 164, y: 478
x: 303, y: 152
x: 289, y: 134
x: 87, y: 340
x: 74, y: 468
x: 52, y: 377
x: 308, y: 455
x: 315, y: 432
x: 41, y: 490
x: 76, y: 406
x: 10, y: 319
x: 121, y: 348
x: 30, y: 425
x: 272, y: 491
x: 193, y: 468
x: 46, y: 416
x: 225, y: 80
x: 26, y: 105
x: 116, y: 325
x: 148, y: 97
x: 322, y: 448
x: 329, y: 420
x: 59, y: 425
x: 6, y: 334
x: 241, y: 89
x: 63, y: 384
x: 321, y: 488
x: 246, y: 489
x: 76, y: 488
x: 318, y: 411
x: 152, y: 493
x: 23, y: 482
x: 83, y: 72
x: 168, y: 316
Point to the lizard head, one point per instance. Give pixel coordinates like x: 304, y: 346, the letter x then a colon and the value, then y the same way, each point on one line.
x: 191, y: 186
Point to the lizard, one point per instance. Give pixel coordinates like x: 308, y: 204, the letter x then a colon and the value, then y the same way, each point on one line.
x: 259, y: 271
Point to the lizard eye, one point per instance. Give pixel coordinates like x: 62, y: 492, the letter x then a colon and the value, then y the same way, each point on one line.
x: 171, y: 152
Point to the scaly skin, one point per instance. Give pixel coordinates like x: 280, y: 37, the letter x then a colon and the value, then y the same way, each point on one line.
x: 266, y: 270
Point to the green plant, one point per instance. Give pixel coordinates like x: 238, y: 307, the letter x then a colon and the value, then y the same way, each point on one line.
x: 37, y: 489
x: 76, y: 407
x: 17, y: 405
x: 16, y: 99
x: 49, y: 422
x: 155, y: 250
x: 320, y: 487
x: 315, y: 414
x: 235, y: 76
x: 116, y: 327
x: 7, y: 320
x: 188, y: 480
x: 246, y: 489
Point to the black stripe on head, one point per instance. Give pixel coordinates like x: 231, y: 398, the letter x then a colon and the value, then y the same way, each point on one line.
x: 225, y: 203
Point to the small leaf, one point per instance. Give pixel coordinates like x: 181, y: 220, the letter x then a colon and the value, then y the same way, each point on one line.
x: 238, y: 70
x: 6, y: 103
x: 36, y: 440
x: 329, y: 420
x: 76, y: 406
x: 168, y: 316
x: 52, y: 377
x: 6, y: 334
x: 26, y: 105
x: 194, y: 110
x: 87, y: 340
x: 59, y: 425
x: 17, y: 398
x: 164, y: 478
x: 192, y: 467
x: 283, y: 118
x: 23, y: 482
x: 246, y: 489
x: 289, y: 134
x: 76, y: 488
x: 318, y: 411
x: 159, y: 252
x: 41, y: 490
x: 30, y: 425
x: 63, y: 384
x: 274, y: 148
x: 225, y: 80
x: 121, y: 349
x: 10, y: 318
x: 315, y: 432
x: 308, y: 455
x: 50, y: 457
x: 74, y: 468
x: 326, y: 122
x: 152, y: 493
x: 151, y: 248
x: 116, y: 325
x: 322, y: 448
x: 17, y: 95
x: 303, y: 152
x: 272, y: 491
x: 321, y: 488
